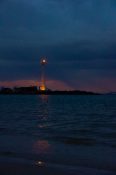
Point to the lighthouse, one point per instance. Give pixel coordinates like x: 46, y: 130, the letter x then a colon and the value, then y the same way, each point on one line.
x: 43, y: 63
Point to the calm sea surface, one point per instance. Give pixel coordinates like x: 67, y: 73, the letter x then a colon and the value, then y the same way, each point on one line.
x: 74, y: 132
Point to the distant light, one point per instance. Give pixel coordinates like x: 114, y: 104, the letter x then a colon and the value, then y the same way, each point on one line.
x: 40, y: 163
x: 42, y: 88
x: 43, y: 61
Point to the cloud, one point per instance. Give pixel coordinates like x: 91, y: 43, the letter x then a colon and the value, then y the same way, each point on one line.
x: 75, y: 35
x: 49, y: 22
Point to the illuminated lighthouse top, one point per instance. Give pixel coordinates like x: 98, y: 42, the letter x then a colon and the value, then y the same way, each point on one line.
x: 43, y: 61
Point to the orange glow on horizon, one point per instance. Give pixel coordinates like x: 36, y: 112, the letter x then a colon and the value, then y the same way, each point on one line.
x: 42, y: 88
x: 51, y: 84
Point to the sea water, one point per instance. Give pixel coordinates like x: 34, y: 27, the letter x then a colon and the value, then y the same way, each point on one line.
x: 76, y: 133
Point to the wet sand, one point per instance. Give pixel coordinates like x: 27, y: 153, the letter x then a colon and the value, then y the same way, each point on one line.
x: 24, y: 169
x: 21, y: 169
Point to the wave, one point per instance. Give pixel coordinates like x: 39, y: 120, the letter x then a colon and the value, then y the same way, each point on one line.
x: 76, y: 141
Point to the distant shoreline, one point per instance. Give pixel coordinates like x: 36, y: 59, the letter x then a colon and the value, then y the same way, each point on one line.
x: 34, y: 91
x: 53, y: 93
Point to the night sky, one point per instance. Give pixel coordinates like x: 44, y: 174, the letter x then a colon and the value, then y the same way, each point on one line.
x: 78, y: 37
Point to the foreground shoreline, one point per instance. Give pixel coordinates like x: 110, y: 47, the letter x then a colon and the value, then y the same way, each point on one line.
x: 19, y: 168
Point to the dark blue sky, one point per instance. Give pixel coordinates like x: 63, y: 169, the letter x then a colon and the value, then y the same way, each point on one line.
x: 78, y: 37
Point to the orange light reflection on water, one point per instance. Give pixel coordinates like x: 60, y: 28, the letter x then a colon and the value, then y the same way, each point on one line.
x: 44, y: 98
x: 42, y: 146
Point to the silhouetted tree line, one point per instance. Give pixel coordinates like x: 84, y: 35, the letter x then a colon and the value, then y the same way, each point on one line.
x: 34, y: 90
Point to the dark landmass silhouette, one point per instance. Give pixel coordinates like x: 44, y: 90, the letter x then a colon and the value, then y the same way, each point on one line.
x: 33, y: 90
